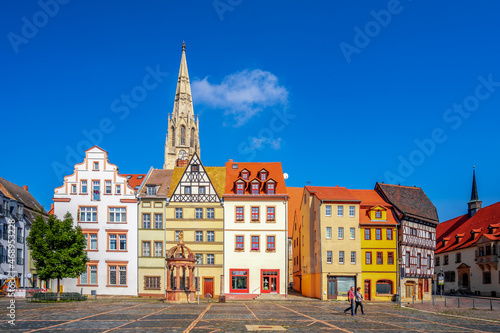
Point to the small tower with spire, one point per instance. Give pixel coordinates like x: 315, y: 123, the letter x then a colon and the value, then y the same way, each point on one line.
x: 182, y: 139
x: 474, y: 204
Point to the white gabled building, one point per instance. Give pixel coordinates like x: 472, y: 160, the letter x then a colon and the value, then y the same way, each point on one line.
x: 255, y: 230
x: 104, y: 205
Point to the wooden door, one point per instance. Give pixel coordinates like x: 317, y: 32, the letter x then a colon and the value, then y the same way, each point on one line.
x: 208, y: 286
x: 420, y: 291
x: 332, y: 287
x: 368, y: 290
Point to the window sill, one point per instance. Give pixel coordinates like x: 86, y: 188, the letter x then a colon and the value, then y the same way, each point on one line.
x: 257, y: 250
x: 271, y: 221
x: 239, y: 221
x: 97, y: 250
x: 239, y: 250
x: 117, y: 286
x: 83, y: 193
x: 87, y: 222
x: 116, y: 222
x: 87, y: 285
x: 152, y: 288
x: 116, y: 250
x: 255, y: 221
x: 270, y: 251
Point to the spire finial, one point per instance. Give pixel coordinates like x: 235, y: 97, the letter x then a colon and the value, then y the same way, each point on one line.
x: 183, y: 46
x: 474, y: 196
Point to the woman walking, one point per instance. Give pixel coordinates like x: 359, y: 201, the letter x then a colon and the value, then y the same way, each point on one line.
x: 359, y: 301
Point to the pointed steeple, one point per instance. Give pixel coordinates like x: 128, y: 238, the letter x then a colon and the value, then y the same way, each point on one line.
x: 474, y: 204
x: 473, y: 196
x: 183, y: 105
x: 183, y: 137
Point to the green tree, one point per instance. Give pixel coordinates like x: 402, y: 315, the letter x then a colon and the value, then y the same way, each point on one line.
x: 57, y: 248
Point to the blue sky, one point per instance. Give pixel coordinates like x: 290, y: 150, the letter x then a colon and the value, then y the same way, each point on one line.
x: 342, y: 93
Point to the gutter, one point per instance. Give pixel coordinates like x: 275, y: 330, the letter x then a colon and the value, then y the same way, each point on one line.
x: 320, y: 249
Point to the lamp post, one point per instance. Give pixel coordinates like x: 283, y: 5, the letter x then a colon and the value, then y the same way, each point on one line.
x: 198, y: 280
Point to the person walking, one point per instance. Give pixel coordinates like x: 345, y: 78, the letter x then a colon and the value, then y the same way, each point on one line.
x: 350, y: 299
x: 359, y: 302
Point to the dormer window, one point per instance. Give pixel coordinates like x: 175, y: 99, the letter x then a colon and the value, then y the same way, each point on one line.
x: 255, y: 188
x: 378, y: 214
x: 151, y: 190
x: 270, y: 188
x: 263, y: 176
x: 240, y: 188
x: 245, y: 174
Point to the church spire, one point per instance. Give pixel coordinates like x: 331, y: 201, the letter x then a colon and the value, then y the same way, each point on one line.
x: 474, y: 204
x: 183, y: 137
x: 183, y: 105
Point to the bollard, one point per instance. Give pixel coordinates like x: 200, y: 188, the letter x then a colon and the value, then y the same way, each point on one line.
x: 445, y: 301
x: 413, y: 299
x: 491, y: 305
x: 433, y: 299
x: 473, y: 303
x: 459, y: 302
x: 422, y: 299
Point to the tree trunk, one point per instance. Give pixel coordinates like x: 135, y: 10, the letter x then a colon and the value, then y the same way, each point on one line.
x: 58, y: 288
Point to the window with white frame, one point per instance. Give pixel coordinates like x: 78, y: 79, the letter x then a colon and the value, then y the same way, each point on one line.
x: 328, y: 210
x: 210, y: 236
x: 177, y: 235
x: 353, y: 257
x: 158, y: 249
x: 158, y: 221
x: 118, y: 214
x: 117, y: 275
x: 88, y: 214
x: 341, y: 232
x: 341, y: 257
x: 210, y: 213
x: 146, y: 221
x: 201, y: 190
x: 93, y: 241
x: 328, y: 232
x: 352, y: 233
x: 107, y: 188
x: 187, y: 189
x: 96, y: 190
x: 199, y: 213
x: 118, y: 189
x: 73, y: 188
x: 151, y: 190
x: 352, y: 211
x: 210, y: 259
x: 83, y: 186
x: 146, y: 249
x: 199, y: 236
x: 89, y: 277
x: 340, y: 210
x: 329, y: 257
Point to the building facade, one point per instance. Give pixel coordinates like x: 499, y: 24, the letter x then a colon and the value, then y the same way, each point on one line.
x: 182, y: 140
x: 417, y: 220
x: 103, y: 204
x: 18, y: 210
x: 151, y: 233
x: 195, y: 215
x: 330, y: 242
x: 379, y: 247
x: 467, y: 249
x: 255, y: 230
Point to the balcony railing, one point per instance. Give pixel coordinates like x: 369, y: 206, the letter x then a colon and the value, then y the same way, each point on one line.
x: 492, y: 258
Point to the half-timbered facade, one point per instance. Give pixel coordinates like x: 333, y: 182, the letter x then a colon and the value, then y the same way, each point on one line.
x: 417, y: 218
x: 194, y: 213
x: 255, y: 232
x: 104, y: 205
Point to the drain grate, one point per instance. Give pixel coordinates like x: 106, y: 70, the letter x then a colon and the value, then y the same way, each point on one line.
x: 264, y: 328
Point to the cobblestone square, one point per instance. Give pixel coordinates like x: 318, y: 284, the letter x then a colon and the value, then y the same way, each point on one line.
x: 140, y: 315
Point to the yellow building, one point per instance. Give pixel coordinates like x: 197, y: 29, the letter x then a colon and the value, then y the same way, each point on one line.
x: 151, y: 233
x: 194, y: 208
x: 330, y: 242
x: 378, y: 246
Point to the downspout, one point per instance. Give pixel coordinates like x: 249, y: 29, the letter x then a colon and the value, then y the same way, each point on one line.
x: 165, y: 243
x: 286, y: 249
x: 320, y: 249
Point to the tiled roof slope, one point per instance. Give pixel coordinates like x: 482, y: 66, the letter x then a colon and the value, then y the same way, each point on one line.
x: 158, y: 177
x: 217, y: 176
x: 335, y: 193
x: 18, y: 193
x: 411, y: 201
x: 233, y: 170
x: 295, y: 194
x: 134, y: 180
x: 370, y: 199
x: 463, y: 225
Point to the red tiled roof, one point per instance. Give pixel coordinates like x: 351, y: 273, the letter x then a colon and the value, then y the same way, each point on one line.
x: 274, y: 169
x: 370, y: 199
x: 295, y: 194
x: 332, y: 193
x: 134, y: 180
x: 479, y: 223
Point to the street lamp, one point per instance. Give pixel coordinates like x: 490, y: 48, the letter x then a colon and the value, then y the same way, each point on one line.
x: 198, y: 279
x: 399, y: 279
x: 441, y: 276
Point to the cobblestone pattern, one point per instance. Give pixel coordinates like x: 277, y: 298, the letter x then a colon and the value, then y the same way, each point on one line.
x: 133, y: 315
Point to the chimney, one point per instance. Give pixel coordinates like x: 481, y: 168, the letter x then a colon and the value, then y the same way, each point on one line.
x: 25, y: 187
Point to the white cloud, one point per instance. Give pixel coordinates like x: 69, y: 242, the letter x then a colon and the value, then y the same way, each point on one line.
x: 258, y: 143
x: 241, y: 95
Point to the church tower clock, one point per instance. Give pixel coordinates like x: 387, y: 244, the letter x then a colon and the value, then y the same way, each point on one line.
x: 183, y: 138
